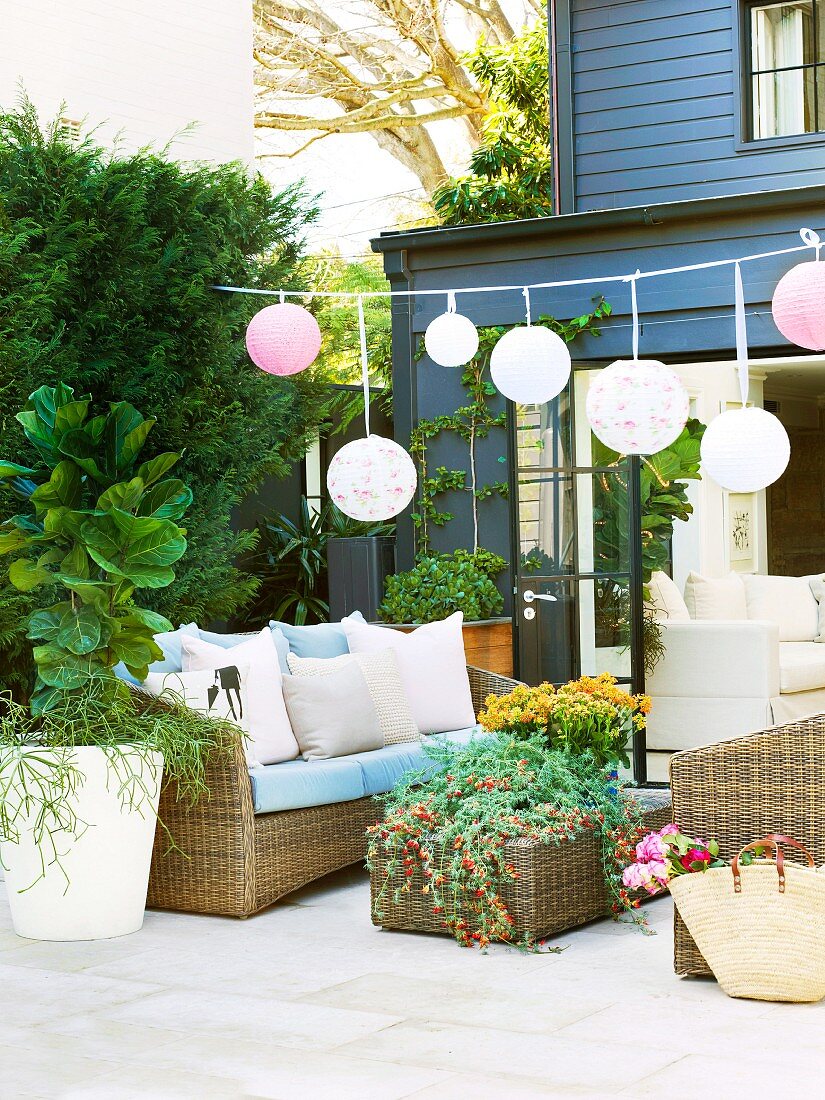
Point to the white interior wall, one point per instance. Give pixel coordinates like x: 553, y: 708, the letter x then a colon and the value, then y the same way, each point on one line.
x: 142, y: 71
x: 701, y: 544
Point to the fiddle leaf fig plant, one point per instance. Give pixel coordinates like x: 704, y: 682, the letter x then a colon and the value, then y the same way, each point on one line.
x: 99, y: 528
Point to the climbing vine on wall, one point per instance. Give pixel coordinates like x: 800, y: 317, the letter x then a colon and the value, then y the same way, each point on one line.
x: 474, y: 422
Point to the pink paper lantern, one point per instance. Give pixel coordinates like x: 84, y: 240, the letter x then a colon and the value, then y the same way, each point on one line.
x: 283, y: 339
x: 799, y: 305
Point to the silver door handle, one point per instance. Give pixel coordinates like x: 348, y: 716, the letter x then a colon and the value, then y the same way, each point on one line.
x: 530, y: 595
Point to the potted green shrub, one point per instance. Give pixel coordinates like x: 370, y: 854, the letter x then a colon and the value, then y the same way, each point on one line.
x: 441, y: 584
x: 81, y: 769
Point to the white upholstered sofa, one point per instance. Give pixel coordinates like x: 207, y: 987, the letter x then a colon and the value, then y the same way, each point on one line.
x: 741, y: 655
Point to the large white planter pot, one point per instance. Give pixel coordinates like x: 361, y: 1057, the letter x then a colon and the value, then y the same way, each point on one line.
x: 107, y: 867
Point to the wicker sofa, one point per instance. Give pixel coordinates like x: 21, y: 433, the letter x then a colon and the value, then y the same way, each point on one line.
x: 231, y: 861
x: 740, y: 790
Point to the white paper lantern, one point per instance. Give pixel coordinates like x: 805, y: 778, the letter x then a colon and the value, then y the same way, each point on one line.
x: 371, y: 479
x: 745, y: 450
x: 451, y: 340
x: 637, y: 407
x: 530, y: 365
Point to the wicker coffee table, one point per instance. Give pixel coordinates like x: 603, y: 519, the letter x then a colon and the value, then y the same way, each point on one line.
x: 559, y: 886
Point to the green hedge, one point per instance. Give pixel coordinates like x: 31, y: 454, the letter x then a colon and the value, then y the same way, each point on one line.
x: 106, y: 265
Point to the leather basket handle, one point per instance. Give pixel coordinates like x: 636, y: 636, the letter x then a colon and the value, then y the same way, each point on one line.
x: 775, y: 841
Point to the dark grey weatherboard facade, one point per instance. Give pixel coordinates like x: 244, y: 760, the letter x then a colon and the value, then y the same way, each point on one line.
x: 686, y: 317
x: 651, y: 106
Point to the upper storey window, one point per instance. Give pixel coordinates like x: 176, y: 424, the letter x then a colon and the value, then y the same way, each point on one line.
x: 787, y: 68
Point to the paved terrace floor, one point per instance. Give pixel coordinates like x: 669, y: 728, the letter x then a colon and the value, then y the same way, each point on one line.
x: 310, y: 1000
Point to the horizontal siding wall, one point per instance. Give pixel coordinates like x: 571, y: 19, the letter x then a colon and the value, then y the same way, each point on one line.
x: 654, y: 108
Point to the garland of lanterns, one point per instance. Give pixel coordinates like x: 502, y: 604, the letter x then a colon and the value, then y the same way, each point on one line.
x: 635, y: 406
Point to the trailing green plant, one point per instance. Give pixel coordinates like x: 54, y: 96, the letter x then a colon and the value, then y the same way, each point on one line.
x: 441, y: 584
x: 40, y: 775
x: 291, y: 562
x: 447, y: 836
x: 100, y: 525
x: 473, y: 423
x: 107, y: 269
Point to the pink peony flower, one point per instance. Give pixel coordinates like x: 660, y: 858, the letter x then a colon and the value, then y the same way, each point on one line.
x: 636, y: 876
x: 651, y: 849
x: 669, y: 830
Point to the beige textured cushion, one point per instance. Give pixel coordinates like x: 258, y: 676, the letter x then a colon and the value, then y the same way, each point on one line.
x: 332, y: 715
x: 666, y: 600
x: 786, y: 601
x: 716, y: 597
x: 818, y: 589
x: 801, y: 667
x: 383, y: 682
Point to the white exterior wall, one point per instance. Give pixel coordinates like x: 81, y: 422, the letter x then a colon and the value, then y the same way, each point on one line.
x: 140, y: 70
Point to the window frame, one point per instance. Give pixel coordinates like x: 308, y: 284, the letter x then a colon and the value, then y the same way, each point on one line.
x: 745, y: 142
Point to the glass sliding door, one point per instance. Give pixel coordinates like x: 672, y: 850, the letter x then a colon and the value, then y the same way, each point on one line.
x: 578, y: 581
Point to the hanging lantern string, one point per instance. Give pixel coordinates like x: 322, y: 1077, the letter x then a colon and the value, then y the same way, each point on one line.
x: 526, y: 293
x: 634, y: 308
x: 365, y: 371
x: 741, y: 334
x: 809, y: 236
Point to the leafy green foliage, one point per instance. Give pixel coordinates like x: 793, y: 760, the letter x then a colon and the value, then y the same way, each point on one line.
x: 99, y: 526
x: 291, y: 562
x: 510, y: 174
x: 106, y: 272
x: 440, y: 585
x: 475, y: 422
x: 663, y: 480
x: 38, y: 788
x: 664, y: 499
x: 447, y: 837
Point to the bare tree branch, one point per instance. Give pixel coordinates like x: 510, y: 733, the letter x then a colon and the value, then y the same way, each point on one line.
x: 388, y: 68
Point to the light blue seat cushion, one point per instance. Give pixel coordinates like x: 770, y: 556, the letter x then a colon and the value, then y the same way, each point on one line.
x: 322, y: 640
x: 229, y: 641
x: 299, y: 783
x: 170, y: 643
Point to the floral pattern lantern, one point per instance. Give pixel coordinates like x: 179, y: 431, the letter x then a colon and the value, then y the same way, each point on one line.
x: 283, y: 339
x: 637, y: 407
x: 371, y: 479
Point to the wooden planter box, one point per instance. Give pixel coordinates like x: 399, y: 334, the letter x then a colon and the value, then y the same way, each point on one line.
x: 560, y: 886
x: 488, y: 644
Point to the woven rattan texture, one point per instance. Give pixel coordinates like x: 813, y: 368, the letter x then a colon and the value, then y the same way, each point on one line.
x: 559, y: 886
x: 738, y: 791
x: 230, y: 861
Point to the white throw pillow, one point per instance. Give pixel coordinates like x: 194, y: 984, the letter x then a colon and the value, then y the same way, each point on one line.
x: 432, y: 666
x: 200, y: 691
x: 716, y: 597
x: 270, y: 732
x: 383, y: 682
x: 666, y: 600
x: 786, y: 601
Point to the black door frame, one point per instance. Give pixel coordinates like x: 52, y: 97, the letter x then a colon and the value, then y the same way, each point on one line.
x: 633, y: 575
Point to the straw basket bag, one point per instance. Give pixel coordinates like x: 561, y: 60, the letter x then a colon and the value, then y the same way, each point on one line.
x: 761, y: 928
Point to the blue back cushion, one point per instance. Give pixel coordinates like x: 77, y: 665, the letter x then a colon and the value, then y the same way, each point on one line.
x: 172, y: 657
x: 323, y: 640
x: 229, y: 641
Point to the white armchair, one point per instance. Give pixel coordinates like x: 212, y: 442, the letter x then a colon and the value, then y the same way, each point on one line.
x: 716, y: 681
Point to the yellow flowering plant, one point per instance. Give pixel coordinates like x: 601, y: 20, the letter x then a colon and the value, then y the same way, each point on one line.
x: 591, y: 714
